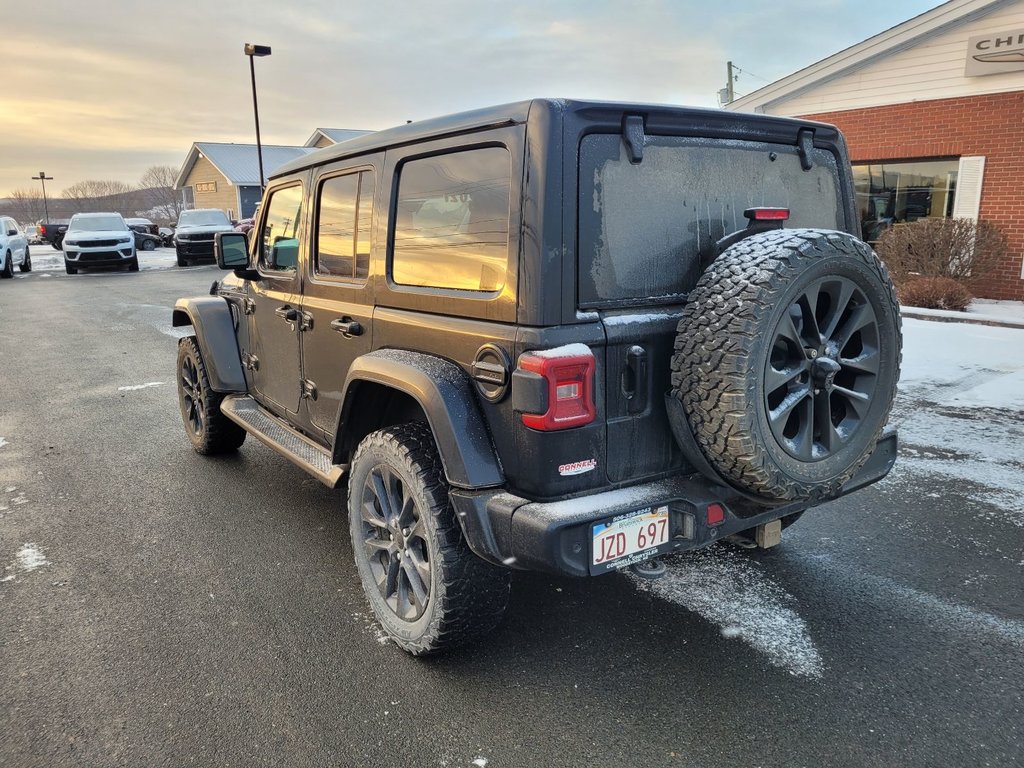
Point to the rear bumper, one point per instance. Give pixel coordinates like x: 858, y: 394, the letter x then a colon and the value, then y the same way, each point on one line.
x: 555, y: 537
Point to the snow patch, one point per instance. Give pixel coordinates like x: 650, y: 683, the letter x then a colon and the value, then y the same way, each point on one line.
x: 2, y: 442
x: 567, y: 350
x: 139, y: 386
x: 29, y: 557
x: 728, y: 589
x: 480, y: 762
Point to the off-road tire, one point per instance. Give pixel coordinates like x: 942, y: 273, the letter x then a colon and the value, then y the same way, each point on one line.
x: 726, y: 336
x: 467, y: 596
x: 8, y: 271
x: 26, y: 265
x: 209, y: 430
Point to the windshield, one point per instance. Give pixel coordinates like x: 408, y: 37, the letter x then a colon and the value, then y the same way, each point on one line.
x: 643, y: 227
x: 96, y: 223
x: 202, y: 218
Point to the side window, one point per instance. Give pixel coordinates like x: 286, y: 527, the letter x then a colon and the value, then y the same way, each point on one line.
x: 343, y: 226
x: 451, y: 224
x: 279, y: 240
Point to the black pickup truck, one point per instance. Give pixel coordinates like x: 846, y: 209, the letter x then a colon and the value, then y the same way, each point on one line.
x: 52, y: 232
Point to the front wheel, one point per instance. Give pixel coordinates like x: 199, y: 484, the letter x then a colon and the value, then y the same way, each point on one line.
x: 427, y: 589
x: 182, y: 262
x: 133, y: 265
x: 8, y: 270
x: 26, y: 265
x: 208, y: 429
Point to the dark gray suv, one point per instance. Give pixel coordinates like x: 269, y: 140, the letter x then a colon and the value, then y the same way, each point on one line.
x: 554, y: 335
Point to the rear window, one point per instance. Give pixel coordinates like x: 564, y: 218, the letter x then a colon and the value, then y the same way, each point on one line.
x: 643, y: 227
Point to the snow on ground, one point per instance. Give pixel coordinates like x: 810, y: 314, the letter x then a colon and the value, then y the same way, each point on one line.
x: 26, y: 560
x: 729, y: 589
x: 46, y: 260
x: 961, y: 411
x: 133, y: 387
x: 1010, y: 310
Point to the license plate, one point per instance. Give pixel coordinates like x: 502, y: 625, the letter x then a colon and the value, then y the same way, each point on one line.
x: 629, y: 538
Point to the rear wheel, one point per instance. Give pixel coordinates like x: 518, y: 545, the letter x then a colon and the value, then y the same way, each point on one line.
x: 57, y: 242
x: 427, y: 589
x: 26, y: 265
x: 148, y: 245
x: 786, y: 361
x: 208, y: 429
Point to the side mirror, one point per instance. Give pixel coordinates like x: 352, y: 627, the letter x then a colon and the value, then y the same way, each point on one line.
x: 231, y: 250
x: 12, y: 233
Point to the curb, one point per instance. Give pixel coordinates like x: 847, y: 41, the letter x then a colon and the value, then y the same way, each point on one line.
x: 942, y: 316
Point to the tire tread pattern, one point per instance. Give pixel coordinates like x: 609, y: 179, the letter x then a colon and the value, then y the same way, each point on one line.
x: 221, y: 434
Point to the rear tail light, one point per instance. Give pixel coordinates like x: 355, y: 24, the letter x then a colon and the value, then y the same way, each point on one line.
x: 566, y: 375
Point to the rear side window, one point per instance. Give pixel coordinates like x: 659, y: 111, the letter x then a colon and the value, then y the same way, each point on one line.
x: 451, y: 224
x: 279, y: 239
x: 643, y: 227
x: 343, y: 226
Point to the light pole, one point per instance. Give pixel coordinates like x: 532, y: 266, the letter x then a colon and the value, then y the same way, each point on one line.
x: 43, y: 178
x: 252, y: 50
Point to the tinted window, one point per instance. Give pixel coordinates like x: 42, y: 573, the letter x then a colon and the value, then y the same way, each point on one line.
x: 202, y: 218
x: 279, y: 242
x: 343, y: 225
x: 96, y: 223
x: 643, y: 227
x: 451, y: 228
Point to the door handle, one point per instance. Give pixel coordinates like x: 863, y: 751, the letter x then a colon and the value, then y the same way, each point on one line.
x: 291, y: 314
x: 346, y: 326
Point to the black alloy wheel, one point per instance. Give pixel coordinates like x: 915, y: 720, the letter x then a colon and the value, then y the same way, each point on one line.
x: 394, y: 540
x: 821, y: 372
x: 208, y: 429
x: 193, y: 408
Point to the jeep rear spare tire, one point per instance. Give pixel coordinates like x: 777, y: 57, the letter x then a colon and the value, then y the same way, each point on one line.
x: 786, y: 361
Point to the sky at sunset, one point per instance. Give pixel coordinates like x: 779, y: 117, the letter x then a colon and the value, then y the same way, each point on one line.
x: 103, y: 90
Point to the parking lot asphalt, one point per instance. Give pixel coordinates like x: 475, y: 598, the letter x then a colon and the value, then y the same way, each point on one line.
x: 161, y: 608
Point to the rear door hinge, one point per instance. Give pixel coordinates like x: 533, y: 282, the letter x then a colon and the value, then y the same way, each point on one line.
x: 250, y: 362
x: 248, y: 306
x: 309, y: 389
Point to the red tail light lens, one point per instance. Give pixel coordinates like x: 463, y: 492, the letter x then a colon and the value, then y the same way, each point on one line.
x: 767, y: 214
x: 568, y: 373
x: 716, y: 514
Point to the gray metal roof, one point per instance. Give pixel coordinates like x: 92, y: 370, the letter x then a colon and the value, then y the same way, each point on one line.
x: 239, y: 164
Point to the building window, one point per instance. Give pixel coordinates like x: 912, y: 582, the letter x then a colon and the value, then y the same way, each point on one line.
x: 451, y: 227
x: 895, y: 193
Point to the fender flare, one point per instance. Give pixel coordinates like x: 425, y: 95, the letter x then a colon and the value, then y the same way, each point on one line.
x: 210, y: 316
x: 443, y: 390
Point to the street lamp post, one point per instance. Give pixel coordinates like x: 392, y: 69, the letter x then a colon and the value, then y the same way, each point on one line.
x: 252, y: 50
x: 43, y: 178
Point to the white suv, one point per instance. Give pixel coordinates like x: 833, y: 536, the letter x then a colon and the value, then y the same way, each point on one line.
x: 99, y: 240
x: 13, y: 248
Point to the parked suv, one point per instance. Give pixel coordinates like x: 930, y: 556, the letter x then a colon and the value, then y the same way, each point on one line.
x: 13, y: 248
x: 99, y: 240
x: 193, y: 237
x: 556, y: 336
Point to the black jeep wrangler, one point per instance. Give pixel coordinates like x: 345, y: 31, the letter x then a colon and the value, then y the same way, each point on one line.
x: 556, y: 336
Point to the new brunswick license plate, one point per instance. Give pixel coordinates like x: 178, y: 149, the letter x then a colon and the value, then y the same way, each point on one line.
x: 629, y: 538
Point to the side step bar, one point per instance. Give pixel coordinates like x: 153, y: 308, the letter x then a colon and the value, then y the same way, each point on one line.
x: 270, y: 430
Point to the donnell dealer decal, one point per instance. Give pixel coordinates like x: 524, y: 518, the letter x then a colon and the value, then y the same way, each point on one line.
x: 577, y: 467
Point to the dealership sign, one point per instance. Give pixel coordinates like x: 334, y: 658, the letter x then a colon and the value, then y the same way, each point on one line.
x: 995, y: 52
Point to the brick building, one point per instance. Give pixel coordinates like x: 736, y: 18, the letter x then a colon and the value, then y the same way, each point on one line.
x: 933, y: 113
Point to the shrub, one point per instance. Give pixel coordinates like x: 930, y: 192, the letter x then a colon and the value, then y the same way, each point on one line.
x: 934, y: 293
x: 960, y: 249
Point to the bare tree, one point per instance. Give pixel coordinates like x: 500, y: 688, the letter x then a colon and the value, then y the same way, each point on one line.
x: 26, y: 205
x: 102, y: 195
x: 159, y: 194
